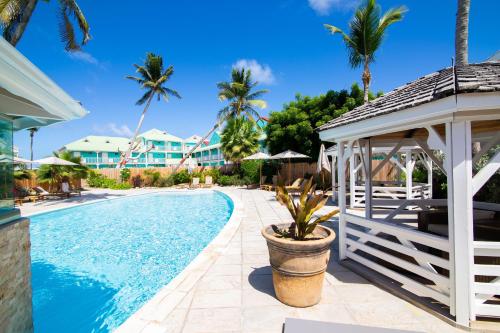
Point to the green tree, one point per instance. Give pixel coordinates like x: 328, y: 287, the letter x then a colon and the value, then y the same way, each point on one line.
x: 294, y: 126
x: 153, y: 77
x: 54, y: 174
x: 366, y: 33
x: 16, y: 14
x: 239, y: 139
x: 242, y: 101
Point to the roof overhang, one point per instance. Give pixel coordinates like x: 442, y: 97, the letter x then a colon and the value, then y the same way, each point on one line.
x: 28, y: 96
x: 473, y: 106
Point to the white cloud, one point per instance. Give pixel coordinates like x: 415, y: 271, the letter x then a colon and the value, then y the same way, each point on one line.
x: 260, y: 73
x: 120, y: 130
x: 323, y: 7
x: 83, y: 56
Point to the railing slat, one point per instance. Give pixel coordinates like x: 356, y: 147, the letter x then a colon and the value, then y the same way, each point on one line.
x: 490, y: 310
x: 408, y: 283
x: 486, y: 288
x: 488, y: 270
x: 437, y: 242
x: 439, y: 280
x: 438, y: 261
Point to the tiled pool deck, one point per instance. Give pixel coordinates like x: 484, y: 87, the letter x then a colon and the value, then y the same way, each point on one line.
x: 235, y: 293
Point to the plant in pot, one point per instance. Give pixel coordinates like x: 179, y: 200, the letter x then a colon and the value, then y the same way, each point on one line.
x: 299, y: 252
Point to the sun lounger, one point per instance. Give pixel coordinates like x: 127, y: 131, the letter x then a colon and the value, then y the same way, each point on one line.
x: 270, y: 187
x: 208, y: 181
x: 195, y: 183
x: 296, y: 185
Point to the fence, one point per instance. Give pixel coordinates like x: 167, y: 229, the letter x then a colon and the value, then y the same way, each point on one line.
x: 33, y: 182
x: 288, y: 171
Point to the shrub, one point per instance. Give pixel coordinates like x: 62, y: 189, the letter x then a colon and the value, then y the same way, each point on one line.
x: 198, y: 174
x: 181, y: 177
x: 137, y: 181
x: 95, y: 179
x: 233, y: 180
x: 251, y: 171
x: 151, y: 177
x: 166, y: 181
x: 120, y: 186
x: 125, y: 175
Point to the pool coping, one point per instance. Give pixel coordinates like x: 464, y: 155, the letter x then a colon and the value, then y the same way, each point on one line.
x: 168, y: 297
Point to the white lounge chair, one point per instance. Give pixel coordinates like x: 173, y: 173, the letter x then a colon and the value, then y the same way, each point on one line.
x: 208, y: 181
x: 195, y: 183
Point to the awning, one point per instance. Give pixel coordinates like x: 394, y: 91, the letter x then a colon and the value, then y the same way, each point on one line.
x: 28, y: 96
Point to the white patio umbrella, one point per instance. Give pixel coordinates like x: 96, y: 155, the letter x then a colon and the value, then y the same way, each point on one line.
x: 19, y: 160
x: 258, y: 156
x: 323, y: 163
x: 52, y: 160
x: 288, y: 155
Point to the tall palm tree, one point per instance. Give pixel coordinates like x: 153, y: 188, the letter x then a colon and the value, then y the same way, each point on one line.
x: 152, y: 78
x: 366, y: 32
x: 239, y: 139
x: 462, y: 33
x: 32, y: 131
x: 243, y: 101
x: 15, y: 16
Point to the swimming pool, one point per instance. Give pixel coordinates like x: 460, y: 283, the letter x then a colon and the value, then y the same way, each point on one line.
x: 94, y: 265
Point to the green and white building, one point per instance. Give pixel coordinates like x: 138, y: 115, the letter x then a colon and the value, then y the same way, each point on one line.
x: 156, y: 148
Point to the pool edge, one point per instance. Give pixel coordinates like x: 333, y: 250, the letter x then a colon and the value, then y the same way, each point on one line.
x: 172, y: 294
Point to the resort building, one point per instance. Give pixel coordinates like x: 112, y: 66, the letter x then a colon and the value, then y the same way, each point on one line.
x: 157, y: 148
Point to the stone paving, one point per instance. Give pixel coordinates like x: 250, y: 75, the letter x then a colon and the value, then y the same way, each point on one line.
x: 235, y: 294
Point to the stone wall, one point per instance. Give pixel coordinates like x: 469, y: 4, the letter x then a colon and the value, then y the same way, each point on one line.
x: 15, y: 278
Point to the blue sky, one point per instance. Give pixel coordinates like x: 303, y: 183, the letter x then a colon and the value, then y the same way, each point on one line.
x: 284, y: 40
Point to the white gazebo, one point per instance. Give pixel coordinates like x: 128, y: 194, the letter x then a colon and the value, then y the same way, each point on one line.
x: 402, y: 158
x: 445, y: 250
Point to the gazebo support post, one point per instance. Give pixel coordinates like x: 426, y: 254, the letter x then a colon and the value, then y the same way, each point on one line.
x: 409, y: 175
x: 342, y: 202
x: 368, y: 178
x: 352, y: 180
x: 460, y: 219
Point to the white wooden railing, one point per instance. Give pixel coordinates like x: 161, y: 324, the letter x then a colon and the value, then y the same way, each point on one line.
x: 409, y: 251
x: 483, y: 291
x: 418, y: 191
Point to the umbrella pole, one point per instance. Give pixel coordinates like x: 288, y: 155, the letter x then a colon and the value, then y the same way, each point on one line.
x: 289, y: 171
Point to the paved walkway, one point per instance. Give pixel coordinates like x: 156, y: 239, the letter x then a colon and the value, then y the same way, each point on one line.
x: 236, y: 293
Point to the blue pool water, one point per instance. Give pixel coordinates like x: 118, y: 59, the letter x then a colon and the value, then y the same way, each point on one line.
x: 94, y: 265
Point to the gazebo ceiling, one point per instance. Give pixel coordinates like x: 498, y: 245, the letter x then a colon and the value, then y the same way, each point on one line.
x: 474, y: 78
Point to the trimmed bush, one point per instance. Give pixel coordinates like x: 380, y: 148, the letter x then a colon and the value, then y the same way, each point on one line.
x: 125, y: 175
x: 250, y: 171
x: 181, y: 177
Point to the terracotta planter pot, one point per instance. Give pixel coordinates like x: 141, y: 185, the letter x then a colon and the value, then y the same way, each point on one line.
x: 299, y: 266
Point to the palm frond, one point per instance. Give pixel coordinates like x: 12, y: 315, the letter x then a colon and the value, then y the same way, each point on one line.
x: 145, y: 97
x: 67, y: 32
x: 72, y: 7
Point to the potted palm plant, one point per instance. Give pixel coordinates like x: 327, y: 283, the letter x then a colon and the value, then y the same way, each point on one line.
x: 299, y: 252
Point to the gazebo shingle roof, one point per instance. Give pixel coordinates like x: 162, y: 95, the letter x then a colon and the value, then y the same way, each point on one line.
x: 482, y: 77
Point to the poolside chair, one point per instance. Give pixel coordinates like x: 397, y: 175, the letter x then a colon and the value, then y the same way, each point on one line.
x: 208, y: 181
x: 66, y: 188
x: 195, y: 183
x: 296, y: 186
x: 264, y: 186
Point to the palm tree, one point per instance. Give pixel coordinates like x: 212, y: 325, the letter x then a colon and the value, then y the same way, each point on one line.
x: 242, y: 102
x: 54, y: 174
x: 366, y: 32
x: 239, y: 139
x: 462, y: 33
x: 32, y: 131
x: 153, y: 77
x: 15, y: 16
